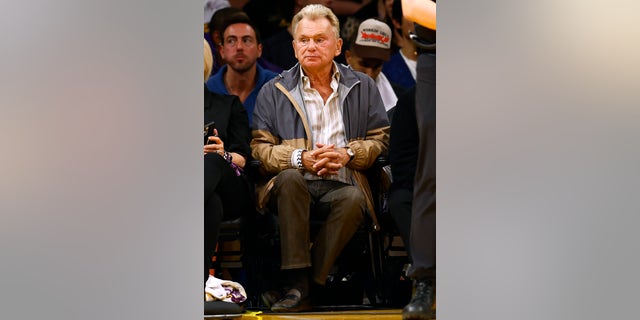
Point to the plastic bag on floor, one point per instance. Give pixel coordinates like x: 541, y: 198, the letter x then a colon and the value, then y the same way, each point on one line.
x: 224, y: 290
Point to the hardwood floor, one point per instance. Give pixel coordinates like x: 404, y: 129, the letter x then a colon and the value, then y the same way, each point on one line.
x: 383, y: 314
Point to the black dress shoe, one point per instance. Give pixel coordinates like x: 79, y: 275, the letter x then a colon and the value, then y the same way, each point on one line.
x: 292, y: 303
x: 420, y: 306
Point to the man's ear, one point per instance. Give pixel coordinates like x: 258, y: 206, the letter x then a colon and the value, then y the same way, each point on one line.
x: 259, y: 50
x: 295, y: 52
x: 338, y: 47
x: 221, y: 52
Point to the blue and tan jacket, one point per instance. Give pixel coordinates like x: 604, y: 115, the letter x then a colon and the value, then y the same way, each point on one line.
x: 280, y: 126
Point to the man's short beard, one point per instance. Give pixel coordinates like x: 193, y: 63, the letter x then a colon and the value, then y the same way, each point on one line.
x: 242, y: 70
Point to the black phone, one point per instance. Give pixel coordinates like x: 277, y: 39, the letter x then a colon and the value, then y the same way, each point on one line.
x: 208, y: 131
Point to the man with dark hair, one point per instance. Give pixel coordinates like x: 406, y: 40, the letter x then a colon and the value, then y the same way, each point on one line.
x: 214, y: 34
x: 240, y: 49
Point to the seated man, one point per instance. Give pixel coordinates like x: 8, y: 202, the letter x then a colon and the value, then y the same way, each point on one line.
x: 317, y: 126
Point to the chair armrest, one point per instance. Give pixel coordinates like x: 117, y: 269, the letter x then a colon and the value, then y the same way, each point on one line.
x: 252, y: 169
x: 253, y: 163
x: 381, y: 161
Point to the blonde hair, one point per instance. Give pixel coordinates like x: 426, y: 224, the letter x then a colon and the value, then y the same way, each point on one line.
x: 317, y: 11
x: 208, y: 60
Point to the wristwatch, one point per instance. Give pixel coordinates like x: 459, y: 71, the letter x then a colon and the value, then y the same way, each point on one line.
x: 351, y: 154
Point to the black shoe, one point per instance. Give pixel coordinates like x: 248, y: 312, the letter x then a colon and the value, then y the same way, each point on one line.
x: 292, y: 302
x: 422, y: 304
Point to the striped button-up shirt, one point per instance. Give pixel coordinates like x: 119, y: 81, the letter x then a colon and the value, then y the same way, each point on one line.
x: 325, y: 120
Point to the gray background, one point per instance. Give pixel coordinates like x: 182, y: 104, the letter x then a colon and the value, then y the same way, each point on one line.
x: 537, y: 160
x: 101, y: 170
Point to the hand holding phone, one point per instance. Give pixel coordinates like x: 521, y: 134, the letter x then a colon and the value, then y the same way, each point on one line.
x: 212, y: 143
x: 209, y: 131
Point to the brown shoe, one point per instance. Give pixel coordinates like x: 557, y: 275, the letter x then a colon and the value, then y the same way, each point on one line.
x: 269, y: 298
x: 292, y: 303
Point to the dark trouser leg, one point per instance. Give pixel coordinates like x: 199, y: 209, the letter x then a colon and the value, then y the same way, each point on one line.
x: 423, y: 244
x: 212, y: 221
x: 400, y: 208
x: 293, y: 203
x: 226, y: 196
x: 423, y: 218
x: 347, y: 212
x: 212, y: 208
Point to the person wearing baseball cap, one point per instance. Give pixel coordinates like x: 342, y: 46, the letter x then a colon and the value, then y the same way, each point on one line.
x: 368, y: 49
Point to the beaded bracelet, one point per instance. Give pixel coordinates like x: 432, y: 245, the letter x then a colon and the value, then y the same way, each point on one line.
x: 229, y: 158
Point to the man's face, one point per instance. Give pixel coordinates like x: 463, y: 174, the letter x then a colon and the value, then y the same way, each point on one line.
x: 315, y: 44
x: 240, y: 49
x: 369, y: 66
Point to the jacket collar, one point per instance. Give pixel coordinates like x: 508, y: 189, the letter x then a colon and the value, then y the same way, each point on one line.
x: 290, y: 78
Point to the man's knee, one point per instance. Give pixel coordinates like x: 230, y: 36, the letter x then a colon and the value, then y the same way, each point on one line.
x: 353, y: 202
x: 289, y: 180
x: 289, y: 175
x: 355, y: 196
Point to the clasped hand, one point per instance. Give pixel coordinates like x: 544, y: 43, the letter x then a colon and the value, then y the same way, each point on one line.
x: 325, y: 160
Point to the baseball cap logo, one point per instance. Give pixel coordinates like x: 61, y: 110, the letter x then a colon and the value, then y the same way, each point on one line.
x: 374, y: 37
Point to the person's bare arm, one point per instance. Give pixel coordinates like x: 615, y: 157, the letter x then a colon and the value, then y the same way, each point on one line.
x: 217, y: 145
x: 238, y: 159
x: 422, y: 12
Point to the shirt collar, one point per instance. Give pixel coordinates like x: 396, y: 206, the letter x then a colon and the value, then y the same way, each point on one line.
x: 334, y: 78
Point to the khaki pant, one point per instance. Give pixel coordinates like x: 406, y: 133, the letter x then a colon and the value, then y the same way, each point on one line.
x: 293, y: 197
